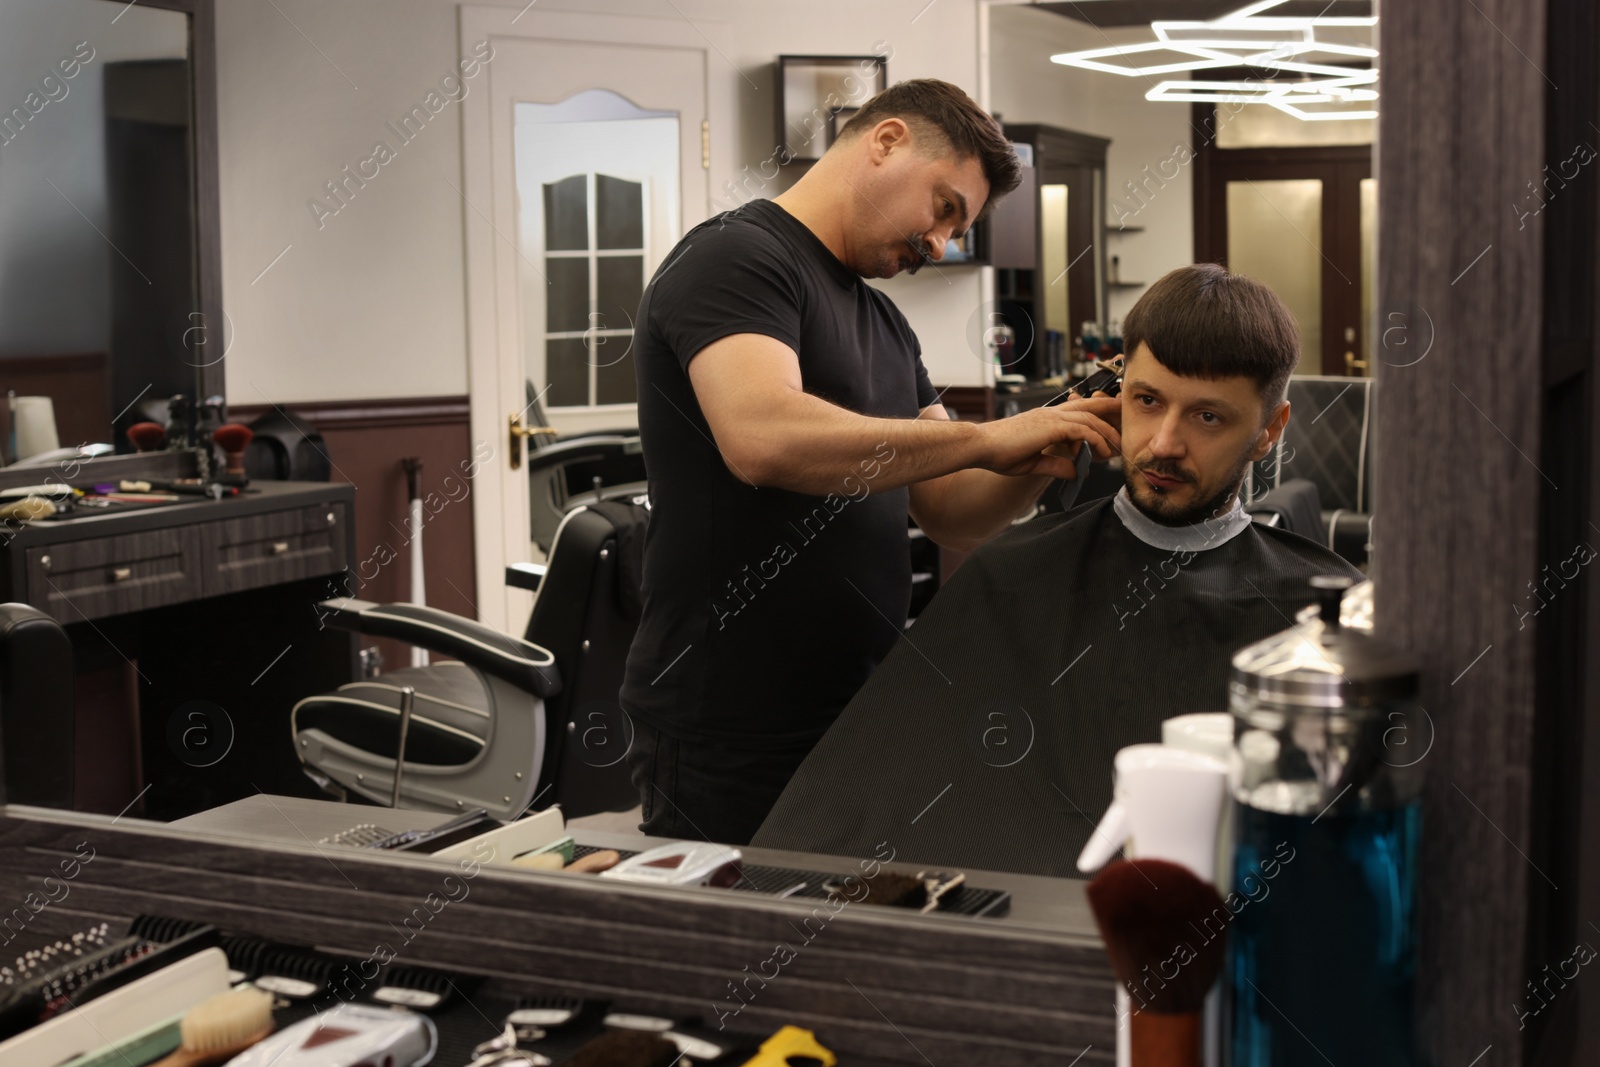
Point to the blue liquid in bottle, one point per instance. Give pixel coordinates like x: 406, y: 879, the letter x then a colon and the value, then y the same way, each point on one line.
x: 1321, y: 954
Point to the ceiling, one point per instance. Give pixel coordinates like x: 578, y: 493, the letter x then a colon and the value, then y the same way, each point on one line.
x: 1108, y: 13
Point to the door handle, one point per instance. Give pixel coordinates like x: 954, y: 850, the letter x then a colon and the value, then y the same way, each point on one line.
x: 518, y: 432
x: 1352, y: 365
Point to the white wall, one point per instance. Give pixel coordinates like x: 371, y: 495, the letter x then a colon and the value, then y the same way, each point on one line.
x: 1026, y: 87
x: 372, y: 304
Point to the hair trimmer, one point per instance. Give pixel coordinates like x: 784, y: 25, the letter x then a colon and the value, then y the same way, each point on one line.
x: 1107, y: 380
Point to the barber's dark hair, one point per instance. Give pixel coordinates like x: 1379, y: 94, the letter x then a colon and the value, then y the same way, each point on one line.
x: 927, y: 104
x: 1203, y: 322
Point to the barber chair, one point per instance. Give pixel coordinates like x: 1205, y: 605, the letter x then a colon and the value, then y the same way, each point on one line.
x: 36, y: 711
x: 1292, y: 505
x: 286, y: 447
x: 567, y: 473
x: 1329, y: 443
x: 513, y: 723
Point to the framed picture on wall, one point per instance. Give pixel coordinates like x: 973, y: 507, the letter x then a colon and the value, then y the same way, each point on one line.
x: 817, y: 95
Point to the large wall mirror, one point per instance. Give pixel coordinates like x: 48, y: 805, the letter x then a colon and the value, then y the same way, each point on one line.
x: 109, y: 272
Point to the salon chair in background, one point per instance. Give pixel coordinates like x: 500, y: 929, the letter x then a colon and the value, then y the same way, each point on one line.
x: 286, y: 448
x: 569, y: 472
x: 36, y: 709
x: 514, y: 723
x: 1329, y: 444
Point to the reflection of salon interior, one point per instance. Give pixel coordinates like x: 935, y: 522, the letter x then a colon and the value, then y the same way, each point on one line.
x: 328, y: 481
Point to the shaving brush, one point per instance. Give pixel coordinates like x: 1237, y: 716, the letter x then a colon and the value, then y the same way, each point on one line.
x: 1153, y: 917
x: 147, y: 436
x: 233, y: 439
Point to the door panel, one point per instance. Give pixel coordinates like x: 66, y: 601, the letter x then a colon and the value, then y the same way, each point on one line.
x: 1275, y: 235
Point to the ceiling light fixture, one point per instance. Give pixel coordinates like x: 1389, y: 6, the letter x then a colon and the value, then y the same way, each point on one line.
x: 1247, y: 38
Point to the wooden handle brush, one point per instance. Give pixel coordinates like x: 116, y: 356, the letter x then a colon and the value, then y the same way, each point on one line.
x: 217, y: 1030
x: 1153, y: 918
x: 233, y: 439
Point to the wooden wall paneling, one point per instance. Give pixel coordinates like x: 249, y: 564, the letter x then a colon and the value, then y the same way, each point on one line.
x: 79, y: 385
x: 900, y: 987
x: 1456, y: 492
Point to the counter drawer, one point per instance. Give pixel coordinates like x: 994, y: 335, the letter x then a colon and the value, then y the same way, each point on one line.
x: 91, y: 579
x: 278, y: 546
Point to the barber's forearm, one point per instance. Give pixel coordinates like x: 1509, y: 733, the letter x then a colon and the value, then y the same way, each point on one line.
x: 975, y: 505
x: 807, y: 445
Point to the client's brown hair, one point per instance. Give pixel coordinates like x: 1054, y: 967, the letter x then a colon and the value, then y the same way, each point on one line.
x: 930, y: 106
x: 1203, y: 322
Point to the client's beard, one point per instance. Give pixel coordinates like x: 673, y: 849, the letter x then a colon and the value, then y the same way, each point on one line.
x: 1194, y: 513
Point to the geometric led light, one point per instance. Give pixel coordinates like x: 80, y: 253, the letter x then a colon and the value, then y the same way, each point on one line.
x: 1247, y: 37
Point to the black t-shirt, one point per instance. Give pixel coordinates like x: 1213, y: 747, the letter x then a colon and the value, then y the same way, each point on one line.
x: 765, y: 610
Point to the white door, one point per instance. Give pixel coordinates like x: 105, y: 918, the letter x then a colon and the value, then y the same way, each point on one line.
x: 592, y: 156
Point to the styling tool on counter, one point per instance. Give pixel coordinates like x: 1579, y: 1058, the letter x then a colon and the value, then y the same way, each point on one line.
x: 221, y: 1028
x: 186, y: 486
x: 147, y: 436
x: 233, y: 439
x: 502, y: 1049
x: 120, y: 1014
x: 1167, y: 803
x: 504, y: 843
x: 82, y: 979
x: 27, y: 509
x: 345, y: 1036
x: 1327, y: 780
x: 1165, y: 930
x: 595, y: 862
x: 682, y: 863
x: 463, y: 827
x: 792, y: 1047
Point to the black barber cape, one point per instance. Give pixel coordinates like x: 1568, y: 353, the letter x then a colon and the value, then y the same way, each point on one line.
x: 986, y: 737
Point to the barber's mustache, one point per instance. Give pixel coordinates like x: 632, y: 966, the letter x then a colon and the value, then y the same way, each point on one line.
x: 923, y: 251
x: 1167, y: 470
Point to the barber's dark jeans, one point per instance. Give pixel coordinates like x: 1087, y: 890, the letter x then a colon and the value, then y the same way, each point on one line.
x: 705, y: 792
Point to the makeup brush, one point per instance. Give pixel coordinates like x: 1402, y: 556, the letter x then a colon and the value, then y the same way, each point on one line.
x: 217, y: 1030
x: 233, y: 439
x: 147, y: 436
x: 1152, y: 916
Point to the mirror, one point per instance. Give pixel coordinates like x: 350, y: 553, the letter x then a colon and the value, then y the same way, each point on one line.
x: 101, y: 310
x: 1147, y: 229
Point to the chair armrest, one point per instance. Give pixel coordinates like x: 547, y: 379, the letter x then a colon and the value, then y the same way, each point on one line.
x: 522, y: 663
x: 594, y: 446
x: 527, y: 576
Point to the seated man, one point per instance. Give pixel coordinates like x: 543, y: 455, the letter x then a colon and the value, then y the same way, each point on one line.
x: 986, y: 737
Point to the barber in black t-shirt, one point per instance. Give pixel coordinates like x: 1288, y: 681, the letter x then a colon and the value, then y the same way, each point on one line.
x: 788, y: 425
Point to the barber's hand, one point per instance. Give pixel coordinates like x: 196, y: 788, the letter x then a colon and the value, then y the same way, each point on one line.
x: 1045, y: 440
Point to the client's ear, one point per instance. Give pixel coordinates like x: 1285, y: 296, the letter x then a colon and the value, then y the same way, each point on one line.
x: 1271, y: 432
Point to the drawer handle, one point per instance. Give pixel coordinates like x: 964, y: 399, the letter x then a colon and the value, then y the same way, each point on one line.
x: 279, y: 547
x: 121, y: 574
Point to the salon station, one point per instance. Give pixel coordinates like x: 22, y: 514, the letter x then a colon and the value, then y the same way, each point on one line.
x: 676, y: 532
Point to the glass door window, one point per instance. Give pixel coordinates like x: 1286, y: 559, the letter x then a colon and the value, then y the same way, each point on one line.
x: 597, y: 190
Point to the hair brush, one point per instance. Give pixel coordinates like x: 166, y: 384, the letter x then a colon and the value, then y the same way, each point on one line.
x: 1151, y: 914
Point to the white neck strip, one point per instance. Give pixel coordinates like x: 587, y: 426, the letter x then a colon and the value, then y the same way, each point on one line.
x: 1200, y: 537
